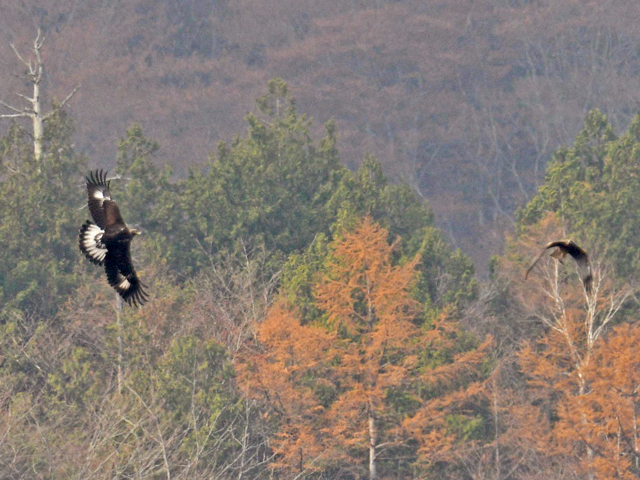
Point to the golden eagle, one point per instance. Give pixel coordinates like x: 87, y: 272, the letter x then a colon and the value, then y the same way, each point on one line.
x: 564, y: 247
x: 107, y: 242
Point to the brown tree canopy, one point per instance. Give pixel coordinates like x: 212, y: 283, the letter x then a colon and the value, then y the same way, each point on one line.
x: 331, y: 382
x: 580, y: 376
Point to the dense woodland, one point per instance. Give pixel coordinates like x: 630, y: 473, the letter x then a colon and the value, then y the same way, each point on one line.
x: 309, y: 321
x: 464, y: 100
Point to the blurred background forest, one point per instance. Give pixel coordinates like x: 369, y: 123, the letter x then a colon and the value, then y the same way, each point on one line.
x: 336, y: 298
x: 464, y: 100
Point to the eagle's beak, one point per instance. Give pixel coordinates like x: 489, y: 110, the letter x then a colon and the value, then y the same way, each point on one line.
x: 135, y: 231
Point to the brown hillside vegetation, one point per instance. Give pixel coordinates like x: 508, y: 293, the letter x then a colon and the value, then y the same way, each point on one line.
x: 465, y: 100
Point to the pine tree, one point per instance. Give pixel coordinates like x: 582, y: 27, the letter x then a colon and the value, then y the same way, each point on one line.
x: 39, y: 217
x: 265, y: 190
x: 592, y: 188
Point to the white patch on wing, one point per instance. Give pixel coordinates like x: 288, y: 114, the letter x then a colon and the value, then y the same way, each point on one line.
x: 124, y: 284
x: 94, y: 230
x: 92, y: 243
x: 99, y: 195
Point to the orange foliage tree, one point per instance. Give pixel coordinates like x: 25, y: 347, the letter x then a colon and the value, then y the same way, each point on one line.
x: 333, y: 383
x: 572, y: 368
x: 611, y: 408
x: 594, y: 402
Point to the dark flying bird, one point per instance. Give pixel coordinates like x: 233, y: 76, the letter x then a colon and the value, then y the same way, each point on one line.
x: 108, y: 241
x: 564, y: 247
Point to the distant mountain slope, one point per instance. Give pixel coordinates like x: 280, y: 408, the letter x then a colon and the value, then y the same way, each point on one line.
x: 466, y: 100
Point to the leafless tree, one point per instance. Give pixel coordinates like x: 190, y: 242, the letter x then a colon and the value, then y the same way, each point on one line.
x: 33, y: 108
x: 234, y: 294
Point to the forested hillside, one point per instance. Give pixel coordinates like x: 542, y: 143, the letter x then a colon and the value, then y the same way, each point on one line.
x: 309, y: 321
x: 304, y: 174
x: 464, y: 100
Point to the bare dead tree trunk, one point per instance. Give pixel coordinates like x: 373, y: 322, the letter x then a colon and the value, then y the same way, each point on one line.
x: 373, y: 439
x: 33, y: 110
x: 373, y: 433
x: 36, y: 117
x: 596, y: 319
x: 590, y: 452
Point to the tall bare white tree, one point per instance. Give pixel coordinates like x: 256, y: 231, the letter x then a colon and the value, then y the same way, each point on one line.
x: 579, y: 324
x: 33, y: 104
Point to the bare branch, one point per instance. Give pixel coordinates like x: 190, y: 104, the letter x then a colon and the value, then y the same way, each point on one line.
x: 28, y: 99
x: 62, y: 104
x: 160, y: 438
x: 36, y: 48
x: 14, y: 115
x: 14, y: 109
x: 26, y: 64
x: 68, y: 97
x: 37, y: 42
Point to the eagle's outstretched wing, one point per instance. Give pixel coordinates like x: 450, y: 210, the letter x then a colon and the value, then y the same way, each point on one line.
x: 102, y: 206
x: 91, y: 242
x: 535, y: 261
x: 577, y: 253
x: 560, y: 244
x: 122, y: 276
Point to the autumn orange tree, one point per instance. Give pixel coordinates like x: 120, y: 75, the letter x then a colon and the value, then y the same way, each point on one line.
x: 342, y: 385
x: 568, y: 363
x: 594, y: 401
x: 611, y: 409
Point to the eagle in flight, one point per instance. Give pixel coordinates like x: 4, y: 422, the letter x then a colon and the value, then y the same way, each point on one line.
x: 564, y: 247
x: 108, y: 241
